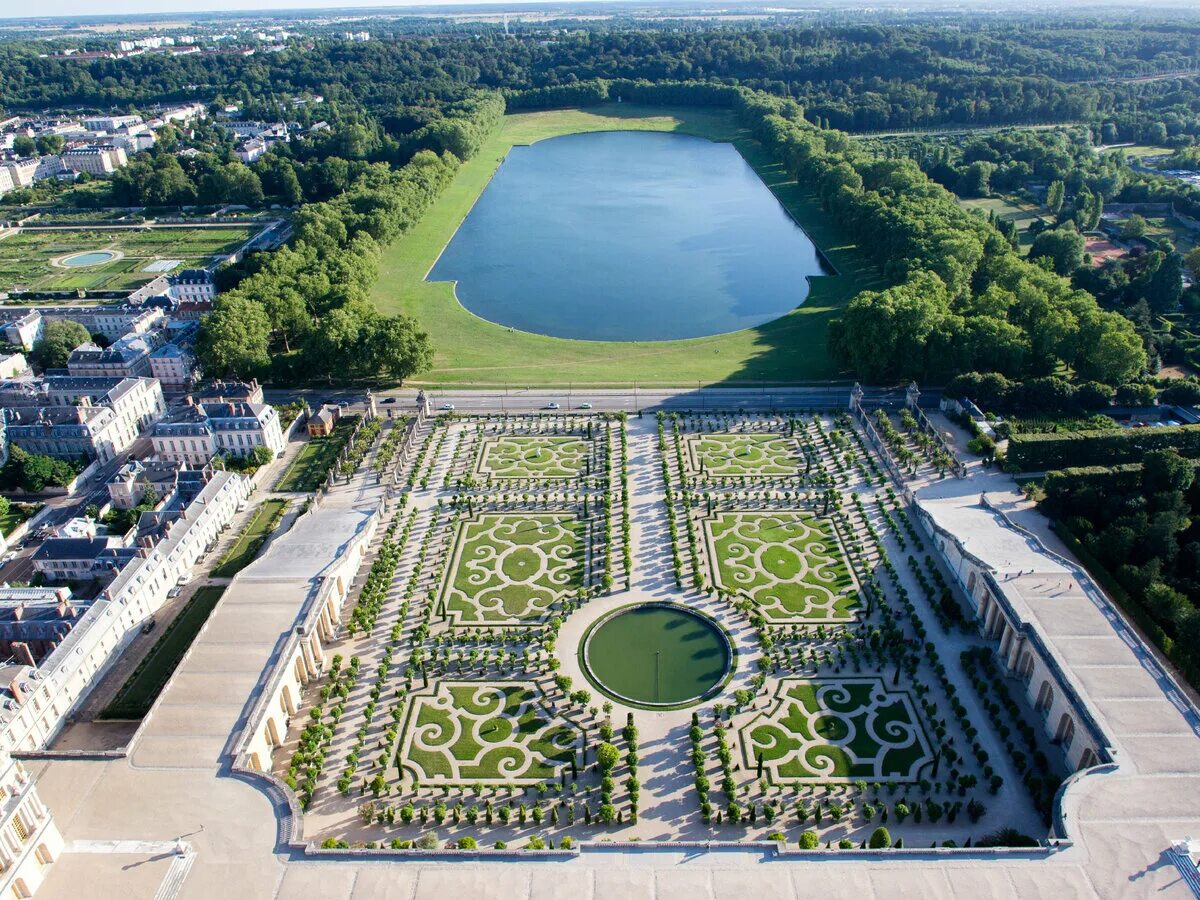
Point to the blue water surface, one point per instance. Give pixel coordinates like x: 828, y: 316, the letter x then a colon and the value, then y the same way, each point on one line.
x: 628, y: 236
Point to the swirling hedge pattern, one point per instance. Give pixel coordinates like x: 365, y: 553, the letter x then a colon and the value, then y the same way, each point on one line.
x: 837, y: 729
x: 510, y: 568
x: 788, y: 563
x: 483, y: 733
x: 533, y: 456
x: 732, y: 455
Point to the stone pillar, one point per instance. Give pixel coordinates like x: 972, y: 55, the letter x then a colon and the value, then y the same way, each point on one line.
x: 856, y: 395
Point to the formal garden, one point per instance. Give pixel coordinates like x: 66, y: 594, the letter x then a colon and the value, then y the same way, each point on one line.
x: 758, y: 604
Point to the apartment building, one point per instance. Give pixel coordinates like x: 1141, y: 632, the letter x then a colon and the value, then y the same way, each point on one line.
x: 197, y: 432
x: 95, y: 159
x: 175, y: 368
x: 124, y: 358
x: 192, y: 286
x: 72, y: 417
x: 22, y: 328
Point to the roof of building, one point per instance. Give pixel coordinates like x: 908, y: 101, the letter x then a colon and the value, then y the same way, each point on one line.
x: 74, y: 548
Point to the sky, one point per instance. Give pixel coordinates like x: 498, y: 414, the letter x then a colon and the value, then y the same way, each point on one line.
x: 12, y: 9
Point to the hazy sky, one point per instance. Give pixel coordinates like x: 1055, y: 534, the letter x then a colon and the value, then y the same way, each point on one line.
x: 11, y: 9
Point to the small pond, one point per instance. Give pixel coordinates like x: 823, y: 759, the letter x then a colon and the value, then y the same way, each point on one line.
x: 628, y: 236
x: 657, y: 654
x: 91, y: 258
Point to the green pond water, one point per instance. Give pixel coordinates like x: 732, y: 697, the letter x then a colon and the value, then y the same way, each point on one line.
x: 657, y: 655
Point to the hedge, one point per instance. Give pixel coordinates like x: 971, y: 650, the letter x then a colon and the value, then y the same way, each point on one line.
x: 1125, y: 477
x: 1039, y: 452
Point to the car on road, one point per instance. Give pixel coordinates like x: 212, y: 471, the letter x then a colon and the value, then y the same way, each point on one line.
x: 447, y: 407
x: 150, y: 625
x: 585, y: 406
x: 389, y: 399
x: 552, y: 405
x: 174, y: 592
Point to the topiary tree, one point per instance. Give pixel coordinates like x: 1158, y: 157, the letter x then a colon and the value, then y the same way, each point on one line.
x: 809, y: 841
x: 607, y: 756
x: 881, y: 839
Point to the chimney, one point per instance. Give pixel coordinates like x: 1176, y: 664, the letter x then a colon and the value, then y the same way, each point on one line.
x: 20, y: 650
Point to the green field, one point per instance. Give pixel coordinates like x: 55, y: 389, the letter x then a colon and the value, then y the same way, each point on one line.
x: 471, y: 350
x: 27, y: 257
x: 1010, y: 209
x: 142, y: 688
x: 311, y: 466
x: 251, y: 540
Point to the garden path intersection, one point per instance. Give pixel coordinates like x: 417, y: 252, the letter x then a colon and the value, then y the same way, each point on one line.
x: 830, y: 686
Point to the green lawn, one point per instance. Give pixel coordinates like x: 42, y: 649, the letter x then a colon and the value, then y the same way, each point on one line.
x: 17, y: 513
x: 471, y: 350
x: 142, y: 688
x: 311, y: 466
x: 251, y: 540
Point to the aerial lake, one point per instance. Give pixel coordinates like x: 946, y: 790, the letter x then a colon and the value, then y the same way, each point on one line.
x: 628, y: 236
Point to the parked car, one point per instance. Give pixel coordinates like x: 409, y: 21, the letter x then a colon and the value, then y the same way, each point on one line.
x: 150, y: 625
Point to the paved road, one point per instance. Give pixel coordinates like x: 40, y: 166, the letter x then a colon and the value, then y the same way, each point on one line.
x: 519, y: 399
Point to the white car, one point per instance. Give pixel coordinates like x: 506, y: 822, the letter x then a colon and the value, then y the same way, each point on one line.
x: 447, y: 407
x: 585, y: 406
x: 551, y: 405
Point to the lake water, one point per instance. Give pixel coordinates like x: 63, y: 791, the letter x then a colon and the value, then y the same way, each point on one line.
x: 628, y: 236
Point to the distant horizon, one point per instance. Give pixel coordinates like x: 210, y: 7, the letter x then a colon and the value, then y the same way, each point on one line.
x: 81, y: 9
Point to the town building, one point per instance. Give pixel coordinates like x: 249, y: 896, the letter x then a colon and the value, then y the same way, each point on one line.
x: 125, y: 358
x: 70, y: 418
x: 111, y: 322
x: 251, y: 150
x: 14, y: 365
x: 166, y: 548
x: 192, y: 286
x: 78, y: 558
x: 322, y: 421
x: 95, y: 159
x: 22, y: 329
x: 24, y: 172
x: 197, y: 432
x: 35, y: 620
x: 109, y: 123
x: 174, y: 367
x: 138, y: 478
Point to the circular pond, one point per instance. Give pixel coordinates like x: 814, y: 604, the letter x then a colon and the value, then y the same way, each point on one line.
x: 657, y: 654
x: 91, y: 258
